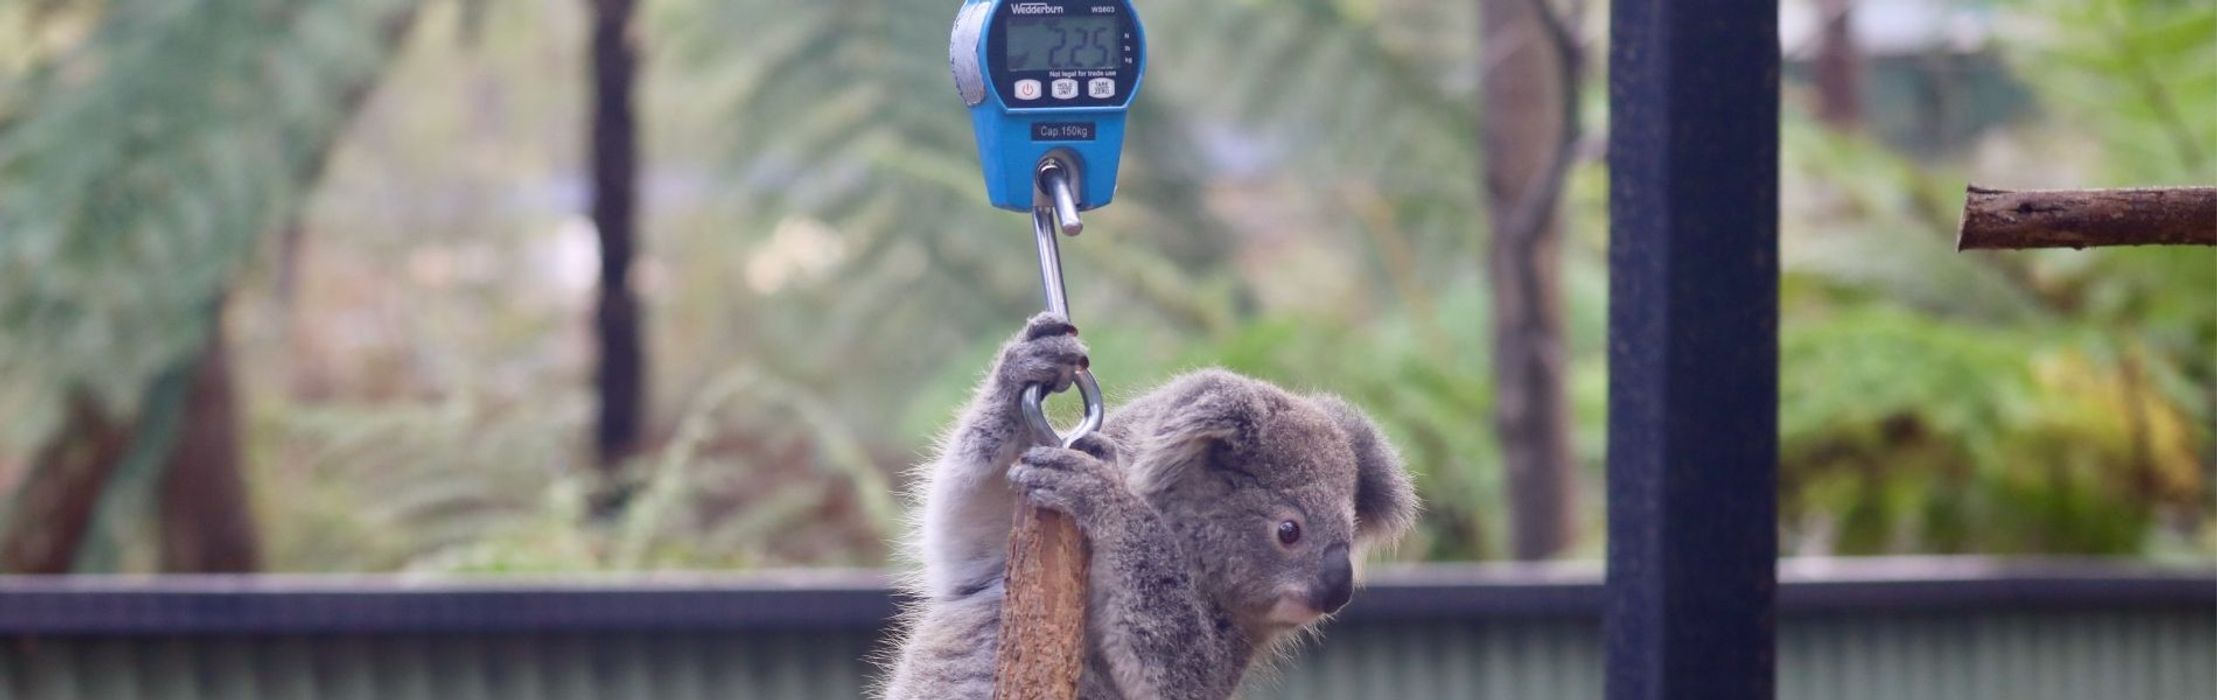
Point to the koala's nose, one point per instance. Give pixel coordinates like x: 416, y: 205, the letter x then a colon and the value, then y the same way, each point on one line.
x: 1337, y: 583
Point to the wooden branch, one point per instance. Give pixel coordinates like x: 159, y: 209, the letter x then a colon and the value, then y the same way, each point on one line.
x: 2082, y: 218
x: 1043, y: 612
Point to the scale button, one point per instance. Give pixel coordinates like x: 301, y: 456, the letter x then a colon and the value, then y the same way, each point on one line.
x: 1066, y: 88
x: 1027, y: 89
x: 1101, y: 87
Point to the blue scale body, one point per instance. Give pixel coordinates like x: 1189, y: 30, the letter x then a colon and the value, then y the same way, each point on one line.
x: 1022, y: 107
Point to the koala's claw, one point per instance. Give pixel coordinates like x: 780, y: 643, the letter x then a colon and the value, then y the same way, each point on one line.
x: 1065, y: 481
x: 1047, y: 324
x: 1097, y: 445
x: 1048, y: 353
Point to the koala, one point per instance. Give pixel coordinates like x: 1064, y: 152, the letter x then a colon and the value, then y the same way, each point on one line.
x: 1222, y: 515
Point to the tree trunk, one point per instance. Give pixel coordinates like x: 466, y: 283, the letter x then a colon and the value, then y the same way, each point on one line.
x: 621, y: 377
x: 54, y: 504
x: 206, y: 524
x: 1839, y: 68
x: 1529, y: 125
x: 207, y: 521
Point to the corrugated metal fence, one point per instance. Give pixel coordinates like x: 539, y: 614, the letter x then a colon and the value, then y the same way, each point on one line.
x: 1959, y: 631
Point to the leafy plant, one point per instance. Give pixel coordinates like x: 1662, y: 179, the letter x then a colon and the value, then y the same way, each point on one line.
x: 824, y: 280
x: 139, y: 165
x: 2052, y: 401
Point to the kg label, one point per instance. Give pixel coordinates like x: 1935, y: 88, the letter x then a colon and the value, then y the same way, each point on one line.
x: 1062, y: 131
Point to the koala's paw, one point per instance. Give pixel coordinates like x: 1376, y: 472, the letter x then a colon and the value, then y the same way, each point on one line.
x: 1100, y: 447
x: 1069, y: 482
x: 1047, y: 353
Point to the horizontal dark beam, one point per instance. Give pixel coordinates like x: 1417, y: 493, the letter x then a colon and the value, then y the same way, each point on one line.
x: 319, y: 605
x: 860, y: 601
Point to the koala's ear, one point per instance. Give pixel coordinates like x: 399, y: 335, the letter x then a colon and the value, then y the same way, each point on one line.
x: 1385, y: 502
x: 1204, y: 410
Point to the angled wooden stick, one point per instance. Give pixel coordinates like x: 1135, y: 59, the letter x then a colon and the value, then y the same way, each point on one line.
x: 2081, y: 218
x: 1042, y: 639
x: 1043, y: 611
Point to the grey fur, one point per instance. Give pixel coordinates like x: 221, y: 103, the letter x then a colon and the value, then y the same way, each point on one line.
x: 1179, y: 498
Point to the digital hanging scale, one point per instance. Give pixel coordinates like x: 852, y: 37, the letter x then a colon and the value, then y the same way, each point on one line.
x: 1047, y: 82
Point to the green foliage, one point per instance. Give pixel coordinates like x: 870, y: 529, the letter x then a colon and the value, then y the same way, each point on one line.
x: 1304, y: 209
x: 1934, y: 401
x: 759, y: 474
x: 138, y: 166
x: 874, y: 278
x: 1300, y: 234
x: 1906, y: 433
x: 2141, y: 75
x: 2056, y: 401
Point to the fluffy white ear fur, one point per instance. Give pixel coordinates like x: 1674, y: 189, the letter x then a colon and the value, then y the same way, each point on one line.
x: 1181, y: 444
x: 1207, y: 408
x: 1385, y: 502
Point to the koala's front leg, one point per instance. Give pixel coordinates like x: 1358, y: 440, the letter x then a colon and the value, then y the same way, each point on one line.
x: 1154, y: 629
x: 968, y: 505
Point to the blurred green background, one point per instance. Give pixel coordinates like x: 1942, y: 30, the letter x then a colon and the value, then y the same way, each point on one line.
x: 309, y: 285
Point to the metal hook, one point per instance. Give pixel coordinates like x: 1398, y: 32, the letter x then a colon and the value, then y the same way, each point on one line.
x: 1055, y: 181
x: 1058, y: 207
x: 1043, y: 431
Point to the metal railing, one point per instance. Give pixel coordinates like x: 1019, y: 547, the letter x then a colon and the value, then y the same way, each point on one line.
x: 1894, y: 628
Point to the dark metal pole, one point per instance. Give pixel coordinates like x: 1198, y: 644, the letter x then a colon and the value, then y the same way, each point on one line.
x: 1693, y: 348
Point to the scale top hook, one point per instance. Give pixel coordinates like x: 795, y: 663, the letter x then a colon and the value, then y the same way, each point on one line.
x: 1054, y: 181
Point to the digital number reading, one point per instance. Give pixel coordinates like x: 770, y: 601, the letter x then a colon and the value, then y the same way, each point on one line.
x: 1063, y: 43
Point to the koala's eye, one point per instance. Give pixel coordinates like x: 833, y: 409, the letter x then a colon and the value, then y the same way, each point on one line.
x: 1289, y: 532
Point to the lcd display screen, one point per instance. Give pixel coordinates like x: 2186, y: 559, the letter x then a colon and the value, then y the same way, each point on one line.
x: 1063, y: 43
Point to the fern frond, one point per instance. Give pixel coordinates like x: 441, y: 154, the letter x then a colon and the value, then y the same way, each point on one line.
x: 140, y: 169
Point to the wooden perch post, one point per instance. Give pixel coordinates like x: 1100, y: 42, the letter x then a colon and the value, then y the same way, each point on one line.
x: 1043, y: 611
x: 2082, y: 218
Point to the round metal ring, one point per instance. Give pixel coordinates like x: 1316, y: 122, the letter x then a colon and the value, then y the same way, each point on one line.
x: 1035, y: 413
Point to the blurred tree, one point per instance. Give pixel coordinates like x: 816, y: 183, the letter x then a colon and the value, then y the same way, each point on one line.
x: 1839, y: 69
x: 51, y: 507
x: 1529, y: 82
x: 206, y: 521
x: 139, y: 162
x: 621, y: 377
